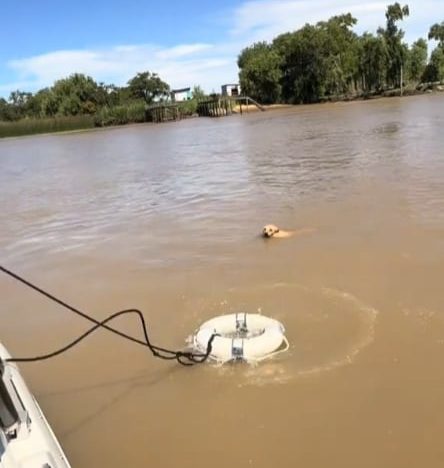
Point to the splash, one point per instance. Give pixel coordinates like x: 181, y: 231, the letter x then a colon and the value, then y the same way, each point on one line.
x: 329, y: 333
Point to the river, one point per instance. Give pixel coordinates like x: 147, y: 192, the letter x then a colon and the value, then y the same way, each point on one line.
x: 166, y: 218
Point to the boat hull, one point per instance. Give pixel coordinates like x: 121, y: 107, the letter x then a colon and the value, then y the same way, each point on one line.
x: 26, y: 438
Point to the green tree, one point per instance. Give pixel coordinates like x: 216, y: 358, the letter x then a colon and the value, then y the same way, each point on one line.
x: 198, y: 93
x: 340, y: 53
x: 303, y: 65
x: 372, y: 62
x: 19, y: 98
x: 6, y: 110
x: 318, y: 61
x: 121, y: 95
x: 18, y: 104
x: 435, y: 68
x: 437, y: 33
x: 3, y: 107
x: 106, y: 95
x: 396, y: 52
x: 42, y: 104
x: 437, y: 57
x: 77, y: 94
x: 260, y: 72
x: 417, y: 60
x: 148, y: 86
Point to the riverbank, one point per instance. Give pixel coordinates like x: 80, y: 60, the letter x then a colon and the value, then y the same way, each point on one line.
x: 406, y: 92
x: 247, y: 108
x: 67, y: 125
x: 50, y: 125
x: 426, y: 88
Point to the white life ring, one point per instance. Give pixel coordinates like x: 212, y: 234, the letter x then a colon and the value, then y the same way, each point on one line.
x: 244, y: 337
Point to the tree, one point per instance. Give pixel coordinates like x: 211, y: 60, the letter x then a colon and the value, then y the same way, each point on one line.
x: 260, y: 72
x: 393, y: 36
x: 122, y: 95
x: 6, y: 111
x: 107, y: 95
x: 372, y: 62
x: 437, y: 33
x: 393, y: 14
x: 417, y: 60
x: 18, y: 105
x: 318, y: 60
x: 148, y: 86
x: 435, y: 68
x: 198, y: 93
x: 340, y: 52
x: 19, y: 98
x: 77, y: 94
x: 436, y: 65
x: 303, y: 65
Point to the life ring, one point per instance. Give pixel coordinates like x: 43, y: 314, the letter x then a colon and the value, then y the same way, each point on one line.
x: 241, y: 337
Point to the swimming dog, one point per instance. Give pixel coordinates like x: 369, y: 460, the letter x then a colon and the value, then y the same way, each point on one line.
x: 270, y: 230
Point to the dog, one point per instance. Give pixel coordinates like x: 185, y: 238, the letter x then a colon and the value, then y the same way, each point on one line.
x: 270, y: 230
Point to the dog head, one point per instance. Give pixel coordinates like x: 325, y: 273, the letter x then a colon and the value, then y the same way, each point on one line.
x: 269, y: 230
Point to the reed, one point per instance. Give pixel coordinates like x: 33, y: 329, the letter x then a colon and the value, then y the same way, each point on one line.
x: 45, y: 125
x: 119, y: 115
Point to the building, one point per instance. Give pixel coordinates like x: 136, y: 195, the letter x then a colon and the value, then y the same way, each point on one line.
x: 180, y: 95
x: 230, y: 90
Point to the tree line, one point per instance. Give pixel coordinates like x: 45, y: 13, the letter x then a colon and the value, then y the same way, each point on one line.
x: 329, y: 60
x: 79, y: 95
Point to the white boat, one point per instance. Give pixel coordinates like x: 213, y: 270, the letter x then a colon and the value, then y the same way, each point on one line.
x: 26, y: 439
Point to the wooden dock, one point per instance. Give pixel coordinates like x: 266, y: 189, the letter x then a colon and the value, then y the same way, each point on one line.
x: 223, y: 106
x: 216, y: 106
x: 163, y: 113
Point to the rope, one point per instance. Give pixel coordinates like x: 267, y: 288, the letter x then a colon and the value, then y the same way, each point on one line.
x: 186, y: 358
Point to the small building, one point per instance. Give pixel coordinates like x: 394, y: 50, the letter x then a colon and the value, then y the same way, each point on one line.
x: 230, y: 90
x: 180, y: 95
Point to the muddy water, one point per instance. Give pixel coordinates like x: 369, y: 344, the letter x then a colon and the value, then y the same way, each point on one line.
x: 165, y: 218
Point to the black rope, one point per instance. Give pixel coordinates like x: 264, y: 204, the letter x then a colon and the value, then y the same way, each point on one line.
x: 186, y: 358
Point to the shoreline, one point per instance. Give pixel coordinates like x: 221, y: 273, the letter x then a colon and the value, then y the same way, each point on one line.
x: 395, y: 93
x: 79, y: 130
x: 251, y: 108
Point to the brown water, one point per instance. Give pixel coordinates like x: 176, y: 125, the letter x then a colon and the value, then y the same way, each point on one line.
x: 165, y: 218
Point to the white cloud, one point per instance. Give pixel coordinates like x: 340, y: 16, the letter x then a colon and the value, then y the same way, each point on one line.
x: 212, y: 64
x: 264, y: 19
x: 180, y: 65
x: 182, y: 51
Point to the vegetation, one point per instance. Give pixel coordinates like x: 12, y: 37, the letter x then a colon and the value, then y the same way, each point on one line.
x: 435, y: 68
x: 78, y: 102
x: 45, y: 125
x: 148, y: 87
x: 189, y: 107
x: 260, y: 72
x: 133, y: 112
x: 329, y: 60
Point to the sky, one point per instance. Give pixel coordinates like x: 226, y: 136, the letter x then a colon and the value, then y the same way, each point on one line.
x: 187, y: 43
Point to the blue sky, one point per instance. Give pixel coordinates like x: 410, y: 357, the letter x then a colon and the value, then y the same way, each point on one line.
x: 187, y: 43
